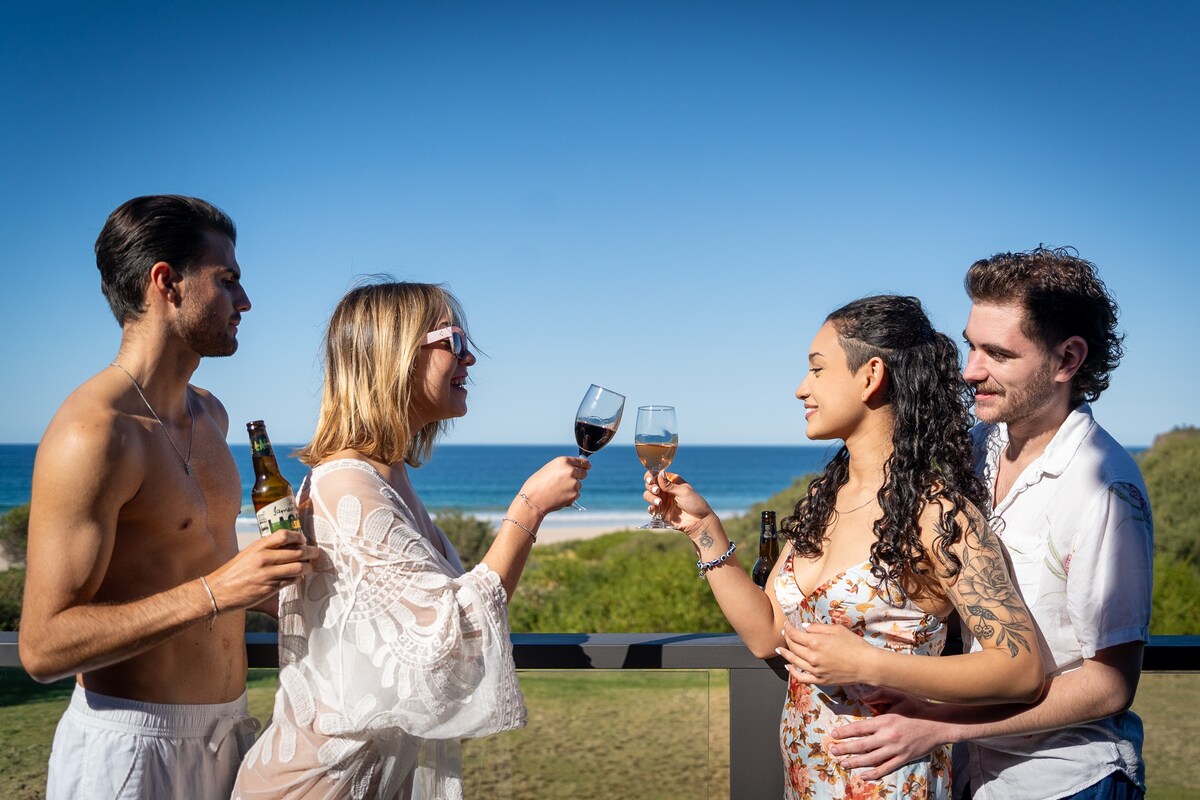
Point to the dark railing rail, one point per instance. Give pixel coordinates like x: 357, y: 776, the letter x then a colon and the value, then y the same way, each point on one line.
x: 756, y: 687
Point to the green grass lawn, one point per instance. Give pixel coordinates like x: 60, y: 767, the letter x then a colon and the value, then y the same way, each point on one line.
x: 600, y: 733
x: 625, y: 733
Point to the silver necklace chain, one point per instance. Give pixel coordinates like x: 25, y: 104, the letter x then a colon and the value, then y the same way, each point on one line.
x: 187, y: 462
x: 856, y: 508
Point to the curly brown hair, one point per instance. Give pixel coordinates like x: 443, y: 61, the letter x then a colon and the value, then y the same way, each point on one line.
x: 931, y: 460
x: 1062, y: 296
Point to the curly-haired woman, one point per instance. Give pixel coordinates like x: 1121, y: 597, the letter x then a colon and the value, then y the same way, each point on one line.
x: 883, y: 547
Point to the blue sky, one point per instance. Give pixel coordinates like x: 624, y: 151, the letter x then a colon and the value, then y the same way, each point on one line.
x: 664, y: 198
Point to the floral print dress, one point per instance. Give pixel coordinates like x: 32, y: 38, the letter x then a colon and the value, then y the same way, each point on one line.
x: 852, y: 598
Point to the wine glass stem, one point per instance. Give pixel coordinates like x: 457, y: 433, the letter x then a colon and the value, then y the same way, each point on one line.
x: 575, y: 503
x: 657, y: 517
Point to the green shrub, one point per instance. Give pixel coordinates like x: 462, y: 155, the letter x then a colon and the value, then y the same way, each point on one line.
x: 471, y: 537
x: 1176, y: 606
x: 744, y: 529
x: 14, y: 534
x: 12, y: 585
x: 1171, y: 469
x: 1172, y: 472
x: 627, y: 582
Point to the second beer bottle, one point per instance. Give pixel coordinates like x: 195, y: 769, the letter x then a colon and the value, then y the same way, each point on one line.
x: 768, y: 550
x: 274, y: 502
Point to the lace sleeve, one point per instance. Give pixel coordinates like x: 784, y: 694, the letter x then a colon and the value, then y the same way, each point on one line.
x: 392, y: 638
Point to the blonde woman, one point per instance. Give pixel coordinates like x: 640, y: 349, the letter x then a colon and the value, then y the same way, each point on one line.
x: 390, y: 653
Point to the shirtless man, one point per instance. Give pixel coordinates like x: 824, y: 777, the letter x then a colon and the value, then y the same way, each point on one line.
x: 134, y: 579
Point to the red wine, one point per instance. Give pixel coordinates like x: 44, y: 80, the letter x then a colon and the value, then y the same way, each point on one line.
x: 656, y: 456
x: 591, y: 436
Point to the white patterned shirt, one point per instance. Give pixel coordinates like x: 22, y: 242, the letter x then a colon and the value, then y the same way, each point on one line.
x: 1077, y: 525
x: 388, y: 653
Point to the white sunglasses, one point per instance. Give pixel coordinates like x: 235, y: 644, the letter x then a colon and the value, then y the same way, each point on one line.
x: 458, y: 340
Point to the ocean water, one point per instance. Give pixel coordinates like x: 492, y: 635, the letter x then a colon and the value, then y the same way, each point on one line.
x: 483, y: 479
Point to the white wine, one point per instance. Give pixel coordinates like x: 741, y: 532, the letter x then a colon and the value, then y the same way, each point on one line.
x: 656, y: 456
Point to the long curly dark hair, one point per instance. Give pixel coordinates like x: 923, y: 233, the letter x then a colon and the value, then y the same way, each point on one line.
x: 931, y: 458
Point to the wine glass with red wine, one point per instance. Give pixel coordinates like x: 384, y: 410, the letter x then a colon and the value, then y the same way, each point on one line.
x: 656, y: 438
x: 596, y: 421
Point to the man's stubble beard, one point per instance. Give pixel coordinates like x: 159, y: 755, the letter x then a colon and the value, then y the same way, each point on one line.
x: 200, y: 334
x: 1019, y: 404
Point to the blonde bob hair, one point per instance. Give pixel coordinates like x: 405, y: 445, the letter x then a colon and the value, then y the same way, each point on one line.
x: 371, y: 348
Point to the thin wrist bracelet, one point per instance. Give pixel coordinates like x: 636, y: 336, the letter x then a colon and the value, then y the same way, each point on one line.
x: 212, y: 599
x: 533, y: 506
x: 705, y: 566
x: 532, y: 535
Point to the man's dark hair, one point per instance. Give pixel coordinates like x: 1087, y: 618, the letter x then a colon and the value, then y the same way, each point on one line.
x: 1062, y: 296
x: 145, y: 230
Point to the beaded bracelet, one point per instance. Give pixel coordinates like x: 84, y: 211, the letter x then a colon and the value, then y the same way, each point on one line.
x: 705, y: 566
x: 532, y: 535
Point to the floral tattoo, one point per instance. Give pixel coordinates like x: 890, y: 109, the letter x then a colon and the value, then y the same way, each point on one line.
x: 987, y: 598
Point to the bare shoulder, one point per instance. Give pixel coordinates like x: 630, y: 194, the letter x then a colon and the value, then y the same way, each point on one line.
x: 92, y: 442
x: 207, y: 403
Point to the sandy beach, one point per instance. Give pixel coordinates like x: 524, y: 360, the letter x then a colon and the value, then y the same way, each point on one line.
x: 550, y: 533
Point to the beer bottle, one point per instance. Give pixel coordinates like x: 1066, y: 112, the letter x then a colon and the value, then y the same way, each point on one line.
x: 274, y: 502
x: 768, y: 550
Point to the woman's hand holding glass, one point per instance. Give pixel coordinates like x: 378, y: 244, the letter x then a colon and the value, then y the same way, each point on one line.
x: 557, y: 484
x: 681, y: 506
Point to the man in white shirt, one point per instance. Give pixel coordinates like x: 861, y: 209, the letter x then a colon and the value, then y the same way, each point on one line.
x: 1070, y: 505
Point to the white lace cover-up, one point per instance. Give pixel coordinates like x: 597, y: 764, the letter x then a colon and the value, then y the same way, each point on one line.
x: 388, y: 653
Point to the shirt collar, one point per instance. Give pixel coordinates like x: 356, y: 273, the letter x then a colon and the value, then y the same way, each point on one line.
x: 1061, y: 448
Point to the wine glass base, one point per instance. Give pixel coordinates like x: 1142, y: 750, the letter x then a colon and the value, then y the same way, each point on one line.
x: 655, y: 525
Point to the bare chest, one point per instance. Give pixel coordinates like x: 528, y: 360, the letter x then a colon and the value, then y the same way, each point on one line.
x: 1007, y: 473
x: 176, y: 526
x: 847, y: 545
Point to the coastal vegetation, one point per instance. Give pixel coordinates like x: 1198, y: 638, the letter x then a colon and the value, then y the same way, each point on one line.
x: 645, y: 582
x: 639, y: 581
x: 14, y: 534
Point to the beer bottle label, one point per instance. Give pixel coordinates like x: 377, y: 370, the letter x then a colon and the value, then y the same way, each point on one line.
x: 260, y: 445
x: 280, y: 515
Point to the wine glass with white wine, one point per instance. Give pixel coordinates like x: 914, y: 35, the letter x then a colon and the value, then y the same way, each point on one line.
x: 596, y: 421
x: 656, y: 439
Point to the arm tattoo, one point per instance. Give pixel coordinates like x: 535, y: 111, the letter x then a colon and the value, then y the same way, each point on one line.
x: 705, y: 540
x: 987, y: 598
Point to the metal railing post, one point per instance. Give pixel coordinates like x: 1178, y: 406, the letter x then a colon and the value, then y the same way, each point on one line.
x: 755, y: 761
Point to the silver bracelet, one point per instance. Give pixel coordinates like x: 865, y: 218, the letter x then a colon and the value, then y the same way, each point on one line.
x: 541, y: 514
x: 705, y: 566
x: 532, y: 535
x: 212, y: 599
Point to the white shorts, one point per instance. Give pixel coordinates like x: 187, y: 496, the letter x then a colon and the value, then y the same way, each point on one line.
x: 109, y: 747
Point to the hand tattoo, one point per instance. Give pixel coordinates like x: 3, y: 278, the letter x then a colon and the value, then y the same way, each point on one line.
x: 705, y: 540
